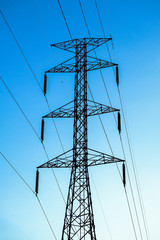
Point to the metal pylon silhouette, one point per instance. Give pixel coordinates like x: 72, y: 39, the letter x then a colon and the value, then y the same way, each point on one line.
x: 79, y: 219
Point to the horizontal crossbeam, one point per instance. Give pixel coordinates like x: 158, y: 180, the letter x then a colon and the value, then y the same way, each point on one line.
x: 92, y: 64
x: 93, y: 108
x: 91, y: 43
x: 95, y: 158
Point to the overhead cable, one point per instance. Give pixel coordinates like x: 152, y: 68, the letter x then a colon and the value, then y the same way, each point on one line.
x: 30, y: 188
x: 126, y: 129
x: 88, y: 84
x: 45, y: 100
x: 110, y: 103
x: 101, y: 206
x: 42, y: 91
x: 35, y: 133
x: 105, y: 132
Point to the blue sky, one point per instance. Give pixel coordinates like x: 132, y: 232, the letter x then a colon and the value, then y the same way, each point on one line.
x: 134, y: 27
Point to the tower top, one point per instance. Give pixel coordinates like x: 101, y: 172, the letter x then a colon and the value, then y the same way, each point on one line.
x: 71, y: 45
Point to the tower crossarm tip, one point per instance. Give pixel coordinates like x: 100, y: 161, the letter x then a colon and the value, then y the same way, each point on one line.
x: 98, y: 158
x: 66, y: 111
x: 96, y: 63
x: 95, y: 108
x: 63, y: 67
x: 64, y: 160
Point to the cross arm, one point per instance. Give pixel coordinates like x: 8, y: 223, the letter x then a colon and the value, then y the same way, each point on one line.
x: 70, y: 45
x: 92, y: 64
x: 67, y: 110
x: 95, y: 158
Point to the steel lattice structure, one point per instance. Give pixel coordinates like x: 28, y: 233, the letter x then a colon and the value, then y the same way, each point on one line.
x: 79, y: 219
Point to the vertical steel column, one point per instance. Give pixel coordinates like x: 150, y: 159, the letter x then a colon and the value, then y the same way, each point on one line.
x: 79, y: 220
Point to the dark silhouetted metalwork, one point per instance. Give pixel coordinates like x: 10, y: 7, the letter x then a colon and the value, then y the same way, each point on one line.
x: 79, y: 219
x: 124, y: 174
x: 117, y: 75
x: 119, y: 122
x: 45, y: 84
x: 93, y: 108
x: 65, y: 160
x: 37, y: 181
x: 42, y: 130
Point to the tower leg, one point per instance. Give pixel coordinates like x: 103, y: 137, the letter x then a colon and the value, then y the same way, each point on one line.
x: 79, y: 218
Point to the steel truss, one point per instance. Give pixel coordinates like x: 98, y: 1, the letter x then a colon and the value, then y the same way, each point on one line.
x: 67, y: 111
x: 79, y: 219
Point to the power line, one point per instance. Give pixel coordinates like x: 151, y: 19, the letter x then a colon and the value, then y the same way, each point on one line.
x: 142, y: 204
x: 88, y: 86
x: 31, y: 72
x: 30, y: 188
x: 110, y: 103
x: 20, y: 49
x: 113, y: 113
x: 70, y: 32
x: 20, y: 108
x: 65, y: 19
x: 102, y: 26
x: 41, y: 90
x: 116, y: 124
x: 34, y: 132
x: 101, y: 206
x: 70, y: 35
x: 126, y: 128
x: 41, y: 22
x: 100, y: 118
x: 46, y: 217
x: 135, y: 171
x: 18, y: 173
x: 105, y: 133
x: 115, y: 120
x: 45, y: 100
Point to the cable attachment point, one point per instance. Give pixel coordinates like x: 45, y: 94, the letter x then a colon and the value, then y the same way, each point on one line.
x: 42, y: 130
x: 45, y: 84
x: 124, y: 174
x: 119, y: 122
x: 37, y: 182
x: 117, y: 76
x: 112, y: 42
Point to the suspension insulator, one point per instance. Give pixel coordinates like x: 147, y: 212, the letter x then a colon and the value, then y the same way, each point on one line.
x: 37, y: 182
x: 45, y: 84
x: 42, y: 130
x: 124, y: 174
x: 119, y: 122
x: 117, y: 75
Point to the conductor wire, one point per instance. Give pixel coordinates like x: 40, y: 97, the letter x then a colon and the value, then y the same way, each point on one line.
x: 35, y: 133
x: 104, y: 129
x: 44, y: 96
x: 129, y: 144
x: 41, y: 90
x: 31, y: 72
x: 111, y: 106
x: 20, y: 49
x: 30, y: 188
x: 65, y: 19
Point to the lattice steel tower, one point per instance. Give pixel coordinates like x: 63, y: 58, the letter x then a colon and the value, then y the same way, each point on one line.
x: 79, y: 219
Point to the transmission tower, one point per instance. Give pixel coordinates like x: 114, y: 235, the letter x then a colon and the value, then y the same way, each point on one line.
x: 79, y: 218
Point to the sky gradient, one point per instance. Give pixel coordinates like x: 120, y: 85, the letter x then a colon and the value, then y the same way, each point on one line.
x: 135, y: 28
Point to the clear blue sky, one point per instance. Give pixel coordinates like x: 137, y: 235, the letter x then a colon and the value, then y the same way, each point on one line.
x: 135, y: 28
